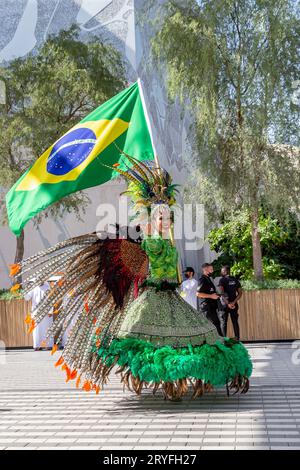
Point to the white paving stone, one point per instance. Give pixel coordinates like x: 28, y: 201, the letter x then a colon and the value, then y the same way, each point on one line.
x: 40, y: 411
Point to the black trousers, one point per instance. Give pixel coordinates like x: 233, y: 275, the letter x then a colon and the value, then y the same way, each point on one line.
x: 210, y: 311
x: 223, y: 316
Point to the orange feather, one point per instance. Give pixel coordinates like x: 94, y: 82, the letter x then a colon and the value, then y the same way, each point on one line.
x: 14, y: 269
x: 59, y: 362
x: 54, y: 349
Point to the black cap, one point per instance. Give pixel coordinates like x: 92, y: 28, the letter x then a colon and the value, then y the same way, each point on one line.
x: 189, y: 269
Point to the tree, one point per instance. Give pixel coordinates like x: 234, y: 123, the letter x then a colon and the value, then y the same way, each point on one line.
x: 235, y: 64
x: 280, y: 246
x: 46, y: 94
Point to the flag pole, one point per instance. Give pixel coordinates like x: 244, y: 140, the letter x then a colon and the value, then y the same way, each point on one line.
x: 147, y: 119
x: 156, y: 160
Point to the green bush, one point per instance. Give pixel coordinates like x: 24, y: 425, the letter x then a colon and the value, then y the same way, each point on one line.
x: 280, y: 247
x: 5, y: 294
x: 252, y: 284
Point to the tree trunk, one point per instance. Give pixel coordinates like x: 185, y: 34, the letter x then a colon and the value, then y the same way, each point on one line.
x: 19, y: 254
x: 256, y: 246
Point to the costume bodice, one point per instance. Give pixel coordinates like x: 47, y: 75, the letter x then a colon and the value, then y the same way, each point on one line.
x: 162, y: 256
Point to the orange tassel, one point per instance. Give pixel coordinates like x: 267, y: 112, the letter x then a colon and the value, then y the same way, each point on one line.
x: 73, y: 374
x: 68, y: 372
x: 28, y: 318
x: 54, y: 349
x: 14, y: 269
x: 15, y: 288
x: 59, y: 362
x: 87, y: 386
x: 55, y: 312
x: 86, y: 306
x: 64, y: 367
x: 94, y: 320
x: 32, y: 327
x: 98, y: 331
x: 96, y: 388
x: 78, y: 381
x: 98, y: 343
x: 60, y: 283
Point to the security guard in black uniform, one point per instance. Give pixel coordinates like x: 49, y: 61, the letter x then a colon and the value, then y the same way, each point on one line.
x: 208, y: 297
x: 231, y: 287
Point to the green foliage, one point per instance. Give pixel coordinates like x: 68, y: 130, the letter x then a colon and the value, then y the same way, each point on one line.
x: 227, y: 59
x: 235, y: 64
x: 5, y: 294
x: 252, y: 284
x: 280, y: 246
x: 48, y: 93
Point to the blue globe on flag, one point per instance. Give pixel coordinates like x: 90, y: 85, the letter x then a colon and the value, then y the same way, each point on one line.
x: 70, y: 151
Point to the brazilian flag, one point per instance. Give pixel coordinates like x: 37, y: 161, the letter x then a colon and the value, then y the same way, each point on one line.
x: 73, y: 162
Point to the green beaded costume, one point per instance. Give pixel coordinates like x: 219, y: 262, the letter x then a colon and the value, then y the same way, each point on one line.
x: 162, y: 317
x: 129, y: 313
x: 165, y: 341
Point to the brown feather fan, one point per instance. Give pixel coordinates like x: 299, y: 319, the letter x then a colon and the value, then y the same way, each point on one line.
x: 95, y: 272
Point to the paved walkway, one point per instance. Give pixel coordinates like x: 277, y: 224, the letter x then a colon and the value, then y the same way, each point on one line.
x: 38, y: 410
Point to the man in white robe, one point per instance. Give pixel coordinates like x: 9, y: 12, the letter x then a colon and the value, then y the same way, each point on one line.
x: 39, y: 333
x: 188, y: 289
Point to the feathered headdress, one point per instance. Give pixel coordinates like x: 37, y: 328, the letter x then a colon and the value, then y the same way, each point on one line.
x: 148, y: 183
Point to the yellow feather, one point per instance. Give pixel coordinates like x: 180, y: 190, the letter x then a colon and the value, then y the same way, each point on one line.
x: 140, y: 166
x: 121, y: 172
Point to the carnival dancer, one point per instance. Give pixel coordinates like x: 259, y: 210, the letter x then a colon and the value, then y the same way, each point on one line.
x: 130, y: 313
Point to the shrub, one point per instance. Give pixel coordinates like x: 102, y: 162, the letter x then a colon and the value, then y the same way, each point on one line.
x: 5, y: 294
x: 252, y: 284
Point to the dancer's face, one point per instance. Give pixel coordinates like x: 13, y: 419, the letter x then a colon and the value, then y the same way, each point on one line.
x: 162, y: 220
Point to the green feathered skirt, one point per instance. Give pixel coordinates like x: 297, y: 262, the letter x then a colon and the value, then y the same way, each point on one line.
x: 165, y: 343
